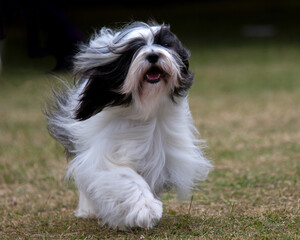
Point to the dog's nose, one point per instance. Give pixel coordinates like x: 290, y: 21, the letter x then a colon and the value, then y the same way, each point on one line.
x: 152, y: 57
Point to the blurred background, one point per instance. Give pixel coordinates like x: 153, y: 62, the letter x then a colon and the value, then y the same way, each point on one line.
x: 245, y: 103
x: 50, y: 30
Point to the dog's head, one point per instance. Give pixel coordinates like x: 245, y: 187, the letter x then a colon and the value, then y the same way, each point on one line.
x: 139, y: 65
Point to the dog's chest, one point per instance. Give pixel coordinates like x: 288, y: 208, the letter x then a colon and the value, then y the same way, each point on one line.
x: 151, y: 159
x: 144, y: 147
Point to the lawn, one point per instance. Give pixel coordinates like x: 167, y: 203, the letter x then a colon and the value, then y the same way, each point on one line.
x: 246, y: 105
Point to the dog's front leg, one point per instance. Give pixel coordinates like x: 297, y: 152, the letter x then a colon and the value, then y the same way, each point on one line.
x: 120, y: 197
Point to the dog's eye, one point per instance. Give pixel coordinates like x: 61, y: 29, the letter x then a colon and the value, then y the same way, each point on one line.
x: 167, y: 44
x: 165, y: 38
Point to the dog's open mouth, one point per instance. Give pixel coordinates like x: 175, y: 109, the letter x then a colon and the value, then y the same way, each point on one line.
x: 153, y: 75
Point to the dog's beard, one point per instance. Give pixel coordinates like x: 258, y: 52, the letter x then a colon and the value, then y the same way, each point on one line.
x: 151, y: 84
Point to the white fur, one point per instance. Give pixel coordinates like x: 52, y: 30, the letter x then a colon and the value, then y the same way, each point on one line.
x: 122, y: 164
x: 124, y: 157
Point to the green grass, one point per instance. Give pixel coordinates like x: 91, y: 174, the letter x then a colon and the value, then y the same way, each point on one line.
x: 245, y: 102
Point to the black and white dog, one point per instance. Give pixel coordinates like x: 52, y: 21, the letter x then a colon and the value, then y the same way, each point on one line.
x: 126, y: 122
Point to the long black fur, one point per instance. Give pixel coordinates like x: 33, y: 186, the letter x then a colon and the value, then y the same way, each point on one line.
x: 102, y: 89
x: 104, y: 82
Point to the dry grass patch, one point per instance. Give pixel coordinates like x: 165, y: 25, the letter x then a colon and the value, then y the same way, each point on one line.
x: 253, y: 139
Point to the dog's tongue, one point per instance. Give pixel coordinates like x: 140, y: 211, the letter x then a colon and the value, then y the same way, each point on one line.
x: 153, y: 74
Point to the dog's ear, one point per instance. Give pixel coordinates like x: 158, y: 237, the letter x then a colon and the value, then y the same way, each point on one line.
x: 102, y: 88
x: 187, y: 77
x: 93, y: 67
x: 105, y: 80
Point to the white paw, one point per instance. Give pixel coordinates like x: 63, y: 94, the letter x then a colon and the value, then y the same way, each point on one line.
x: 146, y: 214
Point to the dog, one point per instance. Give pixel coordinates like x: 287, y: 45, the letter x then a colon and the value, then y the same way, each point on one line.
x: 127, y: 126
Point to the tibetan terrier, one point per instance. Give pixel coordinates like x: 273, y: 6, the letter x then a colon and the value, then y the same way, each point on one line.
x: 126, y: 124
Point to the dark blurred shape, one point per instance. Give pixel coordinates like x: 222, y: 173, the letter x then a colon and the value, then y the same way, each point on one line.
x: 61, y: 34
x: 262, y: 30
x: 49, y: 31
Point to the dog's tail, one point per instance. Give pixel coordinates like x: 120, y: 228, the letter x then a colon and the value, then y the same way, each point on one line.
x: 59, y: 112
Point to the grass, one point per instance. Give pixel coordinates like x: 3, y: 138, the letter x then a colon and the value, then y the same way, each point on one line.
x: 245, y: 102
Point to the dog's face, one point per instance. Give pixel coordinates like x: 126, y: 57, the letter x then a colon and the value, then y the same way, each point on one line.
x: 140, y: 65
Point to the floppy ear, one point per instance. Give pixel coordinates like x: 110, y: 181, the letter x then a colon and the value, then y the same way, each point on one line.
x: 105, y: 82
x: 102, y: 88
x: 187, y: 77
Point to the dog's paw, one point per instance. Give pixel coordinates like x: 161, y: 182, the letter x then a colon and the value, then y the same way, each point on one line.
x: 146, y: 214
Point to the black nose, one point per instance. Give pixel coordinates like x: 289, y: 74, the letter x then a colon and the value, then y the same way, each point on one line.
x: 152, y: 57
